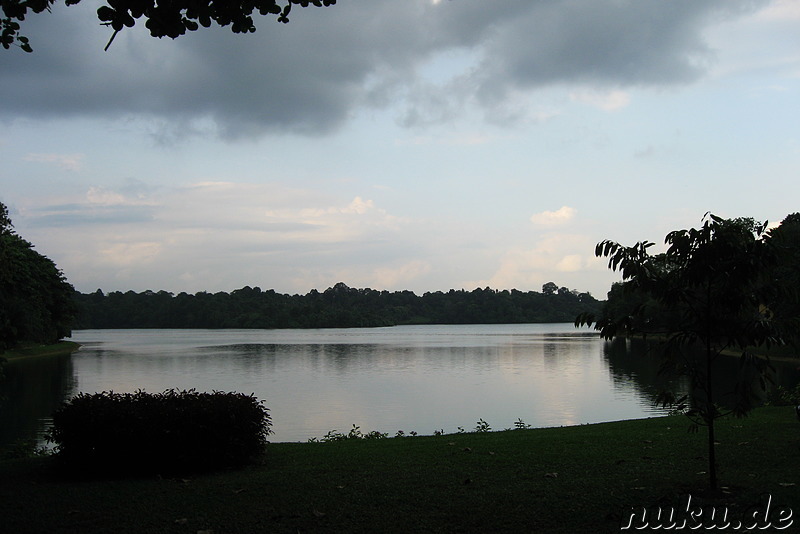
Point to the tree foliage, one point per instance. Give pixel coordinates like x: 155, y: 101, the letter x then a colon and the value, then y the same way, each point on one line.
x: 718, y: 288
x: 163, y: 18
x: 36, y: 301
x: 338, y: 306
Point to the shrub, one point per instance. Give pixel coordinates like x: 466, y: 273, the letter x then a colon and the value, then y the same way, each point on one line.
x: 781, y: 396
x: 166, y: 433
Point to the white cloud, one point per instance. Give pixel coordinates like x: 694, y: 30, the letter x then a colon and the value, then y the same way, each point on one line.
x: 124, y: 254
x: 608, y: 101
x: 359, y: 206
x: 402, y: 276
x: 554, y: 218
x: 455, y: 140
x: 563, y: 258
x: 104, y: 197
x: 783, y: 10
x: 216, y: 234
x: 68, y: 162
x: 570, y: 263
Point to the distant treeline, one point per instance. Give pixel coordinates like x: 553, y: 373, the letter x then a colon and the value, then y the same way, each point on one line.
x: 337, y: 307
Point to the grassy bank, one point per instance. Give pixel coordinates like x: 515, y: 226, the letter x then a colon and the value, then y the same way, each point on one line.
x: 572, y: 479
x: 33, y: 351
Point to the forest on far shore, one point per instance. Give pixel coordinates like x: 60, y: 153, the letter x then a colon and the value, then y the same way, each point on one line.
x: 339, y: 306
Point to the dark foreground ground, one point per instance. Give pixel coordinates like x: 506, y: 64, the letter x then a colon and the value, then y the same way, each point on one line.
x: 574, y: 479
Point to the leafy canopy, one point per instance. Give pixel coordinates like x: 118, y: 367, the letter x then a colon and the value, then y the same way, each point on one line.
x: 712, y: 283
x: 164, y: 18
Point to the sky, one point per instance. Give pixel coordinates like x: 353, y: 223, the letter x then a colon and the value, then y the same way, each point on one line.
x: 421, y: 145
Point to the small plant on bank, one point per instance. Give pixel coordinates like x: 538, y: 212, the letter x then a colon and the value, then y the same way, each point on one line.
x: 355, y: 433
x: 332, y: 435
x: 519, y: 424
x: 169, y: 432
x: 482, y: 426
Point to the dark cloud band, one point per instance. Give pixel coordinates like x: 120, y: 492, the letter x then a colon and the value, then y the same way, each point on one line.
x: 309, y: 76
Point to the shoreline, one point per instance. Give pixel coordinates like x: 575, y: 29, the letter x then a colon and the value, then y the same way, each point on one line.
x: 759, y: 352
x: 38, y: 351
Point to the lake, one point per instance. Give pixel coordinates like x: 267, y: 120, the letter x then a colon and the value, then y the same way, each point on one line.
x: 409, y: 378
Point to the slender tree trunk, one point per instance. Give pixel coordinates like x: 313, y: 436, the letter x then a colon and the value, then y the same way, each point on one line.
x: 712, y: 416
x: 711, y: 410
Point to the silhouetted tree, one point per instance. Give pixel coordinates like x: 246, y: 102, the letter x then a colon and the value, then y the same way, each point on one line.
x: 785, y: 299
x: 708, y: 292
x: 36, y: 301
x: 549, y: 288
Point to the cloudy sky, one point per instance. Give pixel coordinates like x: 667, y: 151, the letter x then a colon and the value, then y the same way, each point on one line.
x: 415, y: 144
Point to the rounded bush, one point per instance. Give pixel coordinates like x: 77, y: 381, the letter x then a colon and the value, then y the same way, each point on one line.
x: 169, y: 432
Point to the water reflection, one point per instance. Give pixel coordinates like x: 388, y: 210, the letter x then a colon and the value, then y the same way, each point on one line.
x: 636, y: 361
x: 639, y: 361
x: 30, y: 391
x: 421, y: 378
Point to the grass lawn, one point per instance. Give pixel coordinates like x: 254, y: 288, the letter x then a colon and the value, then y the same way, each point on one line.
x: 571, y: 480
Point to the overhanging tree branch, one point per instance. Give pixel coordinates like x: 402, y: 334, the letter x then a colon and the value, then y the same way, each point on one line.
x: 163, y: 18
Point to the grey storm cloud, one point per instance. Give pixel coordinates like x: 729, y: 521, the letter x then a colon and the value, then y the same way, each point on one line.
x: 309, y: 76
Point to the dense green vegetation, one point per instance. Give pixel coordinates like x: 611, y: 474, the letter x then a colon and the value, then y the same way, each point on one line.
x: 557, y: 480
x: 339, y: 306
x: 36, y: 304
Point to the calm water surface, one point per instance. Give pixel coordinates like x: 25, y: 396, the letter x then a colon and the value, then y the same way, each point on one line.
x: 419, y: 378
x: 410, y: 378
